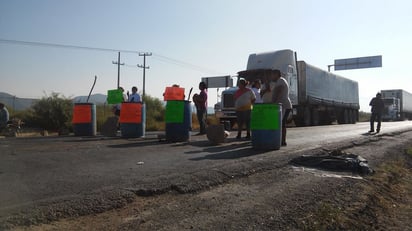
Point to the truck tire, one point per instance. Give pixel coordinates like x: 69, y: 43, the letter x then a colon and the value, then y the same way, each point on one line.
x: 325, y: 118
x: 354, y: 116
x: 346, y: 116
x: 307, y: 119
x: 315, y: 117
x: 343, y: 116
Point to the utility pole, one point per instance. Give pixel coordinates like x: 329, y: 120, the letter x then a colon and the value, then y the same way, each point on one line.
x: 118, y: 69
x: 144, y: 69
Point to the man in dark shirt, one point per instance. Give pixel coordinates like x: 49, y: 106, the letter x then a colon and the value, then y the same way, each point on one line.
x: 201, y: 107
x: 377, y: 110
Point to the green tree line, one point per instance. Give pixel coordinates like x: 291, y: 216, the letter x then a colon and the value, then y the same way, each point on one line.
x: 54, y: 113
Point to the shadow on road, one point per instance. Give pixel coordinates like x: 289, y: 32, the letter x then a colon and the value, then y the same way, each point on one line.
x: 137, y: 143
x: 231, y: 151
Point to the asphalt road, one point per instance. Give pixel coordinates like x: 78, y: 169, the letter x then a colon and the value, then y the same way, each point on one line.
x: 42, y: 172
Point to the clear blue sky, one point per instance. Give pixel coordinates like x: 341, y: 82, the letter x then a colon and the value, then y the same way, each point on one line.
x: 192, y: 39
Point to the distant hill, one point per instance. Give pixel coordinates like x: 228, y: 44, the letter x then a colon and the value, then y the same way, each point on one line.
x: 95, y: 98
x: 16, y: 103
x: 19, y: 104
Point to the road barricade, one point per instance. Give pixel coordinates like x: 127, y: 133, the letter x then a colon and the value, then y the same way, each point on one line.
x: 132, y: 119
x: 178, y: 120
x: 84, y: 119
x: 266, y: 126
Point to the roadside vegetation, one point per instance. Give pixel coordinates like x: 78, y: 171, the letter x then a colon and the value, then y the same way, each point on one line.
x: 382, y: 200
x: 54, y: 113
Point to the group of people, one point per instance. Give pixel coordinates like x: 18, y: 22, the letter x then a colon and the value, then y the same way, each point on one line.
x: 275, y: 89
x: 134, y: 97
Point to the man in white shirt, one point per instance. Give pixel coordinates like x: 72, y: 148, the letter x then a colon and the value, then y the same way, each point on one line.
x: 281, y: 95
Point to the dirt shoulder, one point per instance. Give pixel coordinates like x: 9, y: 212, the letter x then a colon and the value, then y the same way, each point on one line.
x: 278, y: 198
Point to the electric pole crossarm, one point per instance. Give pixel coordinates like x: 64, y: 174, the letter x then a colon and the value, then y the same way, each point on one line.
x: 118, y: 69
x: 144, y: 69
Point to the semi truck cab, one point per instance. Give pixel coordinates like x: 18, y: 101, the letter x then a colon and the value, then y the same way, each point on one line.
x: 284, y: 60
x: 391, y: 111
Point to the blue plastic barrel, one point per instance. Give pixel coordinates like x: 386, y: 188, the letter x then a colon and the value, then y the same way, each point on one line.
x: 132, y: 119
x: 178, y: 120
x: 266, y: 126
x: 84, y: 119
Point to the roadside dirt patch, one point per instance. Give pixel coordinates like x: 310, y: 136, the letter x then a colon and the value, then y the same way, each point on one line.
x: 279, y: 199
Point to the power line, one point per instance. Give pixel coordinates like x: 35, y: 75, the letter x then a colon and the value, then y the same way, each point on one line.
x: 184, y: 64
x: 155, y: 55
x: 144, y: 68
x: 41, y: 44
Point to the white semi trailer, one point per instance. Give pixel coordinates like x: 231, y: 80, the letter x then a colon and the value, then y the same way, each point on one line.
x: 319, y: 97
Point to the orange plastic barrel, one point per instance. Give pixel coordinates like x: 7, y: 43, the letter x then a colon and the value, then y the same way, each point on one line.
x: 84, y: 119
x: 132, y: 119
x: 174, y: 93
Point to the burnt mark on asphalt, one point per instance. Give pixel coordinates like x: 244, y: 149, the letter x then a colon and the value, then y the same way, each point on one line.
x: 335, y: 160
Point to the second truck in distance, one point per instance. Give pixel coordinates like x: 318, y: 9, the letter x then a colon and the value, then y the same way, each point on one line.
x: 397, y: 105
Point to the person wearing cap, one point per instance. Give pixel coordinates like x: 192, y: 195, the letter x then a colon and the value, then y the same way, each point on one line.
x: 244, y: 99
x: 280, y: 95
x: 377, y: 111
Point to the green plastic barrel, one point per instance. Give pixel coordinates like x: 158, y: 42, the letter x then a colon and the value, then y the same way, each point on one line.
x: 266, y: 126
x: 178, y: 120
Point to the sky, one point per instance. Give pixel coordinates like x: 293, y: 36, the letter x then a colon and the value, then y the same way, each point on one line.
x: 191, y: 39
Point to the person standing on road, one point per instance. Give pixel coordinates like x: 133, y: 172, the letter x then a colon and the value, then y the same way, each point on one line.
x: 377, y: 111
x: 244, y: 99
x: 256, y: 89
x: 200, y: 101
x: 4, y: 116
x: 280, y: 95
x: 117, y: 107
x: 267, y: 87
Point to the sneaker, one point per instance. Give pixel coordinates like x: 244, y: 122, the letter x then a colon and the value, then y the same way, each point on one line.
x: 377, y: 131
x: 371, y: 131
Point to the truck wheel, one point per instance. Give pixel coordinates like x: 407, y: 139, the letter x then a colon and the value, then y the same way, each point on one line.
x: 315, y: 117
x: 325, y: 118
x: 343, y: 116
x: 307, y: 120
x: 353, y: 116
x: 346, y: 116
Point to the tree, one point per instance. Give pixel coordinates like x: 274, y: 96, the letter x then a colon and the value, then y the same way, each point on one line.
x: 53, y: 112
x: 155, y: 111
